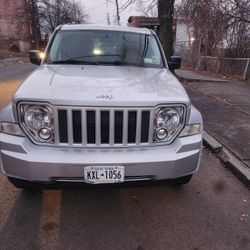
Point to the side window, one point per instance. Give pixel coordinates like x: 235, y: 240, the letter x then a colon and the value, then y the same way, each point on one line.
x: 55, y: 46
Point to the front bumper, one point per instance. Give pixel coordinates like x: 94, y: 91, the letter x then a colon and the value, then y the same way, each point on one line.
x: 21, y: 159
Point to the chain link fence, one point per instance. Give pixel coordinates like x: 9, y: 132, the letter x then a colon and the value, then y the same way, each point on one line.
x: 191, y: 54
x: 228, y: 66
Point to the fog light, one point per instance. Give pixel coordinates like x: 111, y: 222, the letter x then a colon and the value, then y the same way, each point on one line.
x: 161, y: 134
x: 44, y: 134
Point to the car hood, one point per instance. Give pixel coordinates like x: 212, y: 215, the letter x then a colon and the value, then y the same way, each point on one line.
x: 92, y: 85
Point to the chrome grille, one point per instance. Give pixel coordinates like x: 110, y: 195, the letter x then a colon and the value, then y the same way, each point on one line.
x: 103, y: 127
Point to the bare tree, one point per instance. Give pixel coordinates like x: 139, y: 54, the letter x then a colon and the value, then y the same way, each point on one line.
x: 238, y: 35
x: 31, y: 18
x: 120, y: 7
x: 148, y: 8
x: 238, y: 10
x: 55, y: 12
x: 219, y: 24
x: 209, y: 23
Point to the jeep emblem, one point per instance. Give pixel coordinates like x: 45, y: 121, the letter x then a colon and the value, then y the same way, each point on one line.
x: 107, y: 96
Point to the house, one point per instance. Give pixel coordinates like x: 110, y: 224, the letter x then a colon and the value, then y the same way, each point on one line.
x: 183, y: 32
x: 15, y: 25
x: 143, y: 21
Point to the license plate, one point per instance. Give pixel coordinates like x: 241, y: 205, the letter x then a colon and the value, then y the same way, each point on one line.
x: 103, y: 174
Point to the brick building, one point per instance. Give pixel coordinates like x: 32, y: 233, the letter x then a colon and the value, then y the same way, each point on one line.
x: 143, y: 21
x: 148, y: 22
x: 15, y: 25
x: 182, y: 28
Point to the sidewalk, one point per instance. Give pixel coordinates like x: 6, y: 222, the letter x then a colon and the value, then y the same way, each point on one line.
x: 195, y: 76
x: 14, y: 60
x: 225, y: 107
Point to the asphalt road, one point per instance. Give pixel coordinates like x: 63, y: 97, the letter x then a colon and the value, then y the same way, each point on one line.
x: 211, y: 212
x: 11, y: 75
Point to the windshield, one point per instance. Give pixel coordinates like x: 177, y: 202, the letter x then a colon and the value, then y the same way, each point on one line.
x: 104, y: 47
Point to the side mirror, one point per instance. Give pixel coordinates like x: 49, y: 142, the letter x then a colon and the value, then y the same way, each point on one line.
x: 174, y: 63
x: 35, y: 57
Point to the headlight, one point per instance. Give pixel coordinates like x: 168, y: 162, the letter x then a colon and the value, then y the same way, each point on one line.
x: 168, y: 121
x: 37, y: 117
x: 37, y: 120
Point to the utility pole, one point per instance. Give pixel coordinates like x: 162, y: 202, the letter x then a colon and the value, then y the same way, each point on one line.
x: 108, y: 19
x: 117, y: 12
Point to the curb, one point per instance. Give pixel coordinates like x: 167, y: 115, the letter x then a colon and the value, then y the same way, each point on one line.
x: 13, y: 59
x: 7, y: 61
x: 202, y: 80
x: 237, y: 167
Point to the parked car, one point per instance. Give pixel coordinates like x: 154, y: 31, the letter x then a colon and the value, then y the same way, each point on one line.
x: 102, y: 108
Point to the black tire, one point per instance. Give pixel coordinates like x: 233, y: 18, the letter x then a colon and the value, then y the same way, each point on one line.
x: 181, y: 181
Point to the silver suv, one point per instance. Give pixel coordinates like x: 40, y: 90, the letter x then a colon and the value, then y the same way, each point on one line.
x: 102, y: 108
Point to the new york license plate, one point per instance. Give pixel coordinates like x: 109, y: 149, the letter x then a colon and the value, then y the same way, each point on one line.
x: 103, y: 174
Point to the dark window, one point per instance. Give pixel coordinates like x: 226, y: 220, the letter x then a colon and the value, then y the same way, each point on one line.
x: 104, y: 126
x: 91, y: 126
x: 131, y: 126
x: 118, y: 126
x: 63, y: 126
x: 77, y: 126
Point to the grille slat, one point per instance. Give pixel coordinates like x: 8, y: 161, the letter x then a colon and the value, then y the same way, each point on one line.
x: 125, y: 128
x: 84, y: 128
x: 151, y: 127
x: 104, y: 127
x: 56, y: 125
x: 98, y: 128
x: 111, y: 127
x: 138, y: 127
x: 70, y: 127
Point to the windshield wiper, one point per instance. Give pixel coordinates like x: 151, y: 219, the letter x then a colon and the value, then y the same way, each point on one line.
x: 111, y: 62
x: 73, y: 61
x: 70, y: 61
x: 101, y: 55
x: 145, y: 49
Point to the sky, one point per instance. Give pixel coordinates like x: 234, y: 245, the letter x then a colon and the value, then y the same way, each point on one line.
x: 98, y: 10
